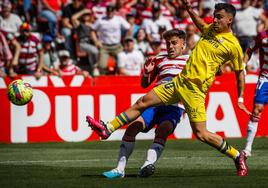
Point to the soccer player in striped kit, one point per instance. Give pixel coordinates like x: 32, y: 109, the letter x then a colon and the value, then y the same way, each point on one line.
x: 261, y: 93
x: 162, y: 68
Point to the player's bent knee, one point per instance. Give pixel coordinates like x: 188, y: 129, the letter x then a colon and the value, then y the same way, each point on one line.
x: 141, y: 104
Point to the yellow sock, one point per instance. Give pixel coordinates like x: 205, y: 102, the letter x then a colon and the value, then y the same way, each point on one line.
x: 119, y: 121
x: 229, y: 150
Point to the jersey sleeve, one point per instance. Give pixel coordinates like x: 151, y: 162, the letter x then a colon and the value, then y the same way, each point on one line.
x: 236, y: 58
x: 207, y: 28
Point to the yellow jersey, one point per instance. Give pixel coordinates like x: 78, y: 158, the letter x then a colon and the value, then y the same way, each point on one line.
x: 210, y: 53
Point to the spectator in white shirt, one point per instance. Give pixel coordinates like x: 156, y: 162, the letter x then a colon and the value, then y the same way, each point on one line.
x: 9, y: 22
x: 108, y: 29
x: 191, y: 38
x: 245, y: 23
x: 152, y: 25
x: 130, y: 61
x: 141, y: 41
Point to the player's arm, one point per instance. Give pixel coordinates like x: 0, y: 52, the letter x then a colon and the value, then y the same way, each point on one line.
x: 240, y: 79
x: 149, y: 74
x: 200, y: 24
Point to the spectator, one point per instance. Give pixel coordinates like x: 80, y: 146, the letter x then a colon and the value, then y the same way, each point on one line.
x: 206, y: 11
x: 5, y: 55
x: 182, y: 19
x: 109, y: 30
x: 67, y: 25
x: 130, y: 61
x: 51, y: 59
x: 191, y: 38
x: 82, y: 22
x: 15, y: 49
x: 145, y: 8
x: 245, y: 23
x: 236, y: 3
x: 51, y: 11
x: 31, y: 53
x: 98, y: 7
x: 156, y: 49
x: 152, y: 25
x: 141, y: 41
x: 9, y: 22
x: 67, y: 67
x: 123, y: 7
x: 131, y: 19
x: 167, y: 9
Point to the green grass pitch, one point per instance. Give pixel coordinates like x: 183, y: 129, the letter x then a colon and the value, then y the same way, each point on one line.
x: 184, y: 163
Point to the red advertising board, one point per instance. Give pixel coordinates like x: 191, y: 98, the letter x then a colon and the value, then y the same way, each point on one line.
x: 59, y: 106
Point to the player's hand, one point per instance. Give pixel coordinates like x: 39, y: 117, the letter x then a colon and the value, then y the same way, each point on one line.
x: 149, y: 65
x: 241, y: 106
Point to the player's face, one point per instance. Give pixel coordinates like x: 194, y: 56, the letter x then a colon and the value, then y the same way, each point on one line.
x: 175, y: 46
x: 222, y: 21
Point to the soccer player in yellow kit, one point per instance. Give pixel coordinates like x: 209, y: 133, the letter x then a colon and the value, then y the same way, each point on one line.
x: 216, y: 47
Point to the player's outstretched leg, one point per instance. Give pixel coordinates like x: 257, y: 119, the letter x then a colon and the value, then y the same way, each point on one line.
x: 126, y: 117
x: 99, y: 127
x: 200, y: 131
x: 126, y: 149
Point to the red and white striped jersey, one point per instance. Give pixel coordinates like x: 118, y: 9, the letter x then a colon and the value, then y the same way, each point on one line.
x: 29, y: 51
x: 147, y: 13
x: 181, y: 24
x: 99, y: 10
x: 236, y: 3
x: 167, y: 68
x: 166, y: 13
x: 261, y: 42
x: 69, y: 69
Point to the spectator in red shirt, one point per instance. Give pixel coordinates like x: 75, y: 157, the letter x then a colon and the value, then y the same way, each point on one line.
x: 67, y: 67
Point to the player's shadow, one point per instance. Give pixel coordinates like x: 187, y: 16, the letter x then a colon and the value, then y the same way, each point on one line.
x: 92, y: 176
x: 101, y: 176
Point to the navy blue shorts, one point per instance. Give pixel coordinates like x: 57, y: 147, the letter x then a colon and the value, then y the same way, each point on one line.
x: 156, y: 115
x: 261, y: 93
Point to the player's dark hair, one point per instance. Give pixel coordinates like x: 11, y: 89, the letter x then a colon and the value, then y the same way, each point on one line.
x: 174, y: 32
x: 227, y: 7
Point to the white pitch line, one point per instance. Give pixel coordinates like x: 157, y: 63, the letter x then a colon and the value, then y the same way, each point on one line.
x: 67, y: 161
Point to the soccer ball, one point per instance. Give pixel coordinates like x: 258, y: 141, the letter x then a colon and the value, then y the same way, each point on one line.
x: 19, y: 92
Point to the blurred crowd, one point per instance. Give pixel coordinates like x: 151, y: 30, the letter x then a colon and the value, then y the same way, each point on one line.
x: 102, y: 37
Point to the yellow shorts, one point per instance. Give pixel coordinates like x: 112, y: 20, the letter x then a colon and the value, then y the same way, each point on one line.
x: 186, y: 92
